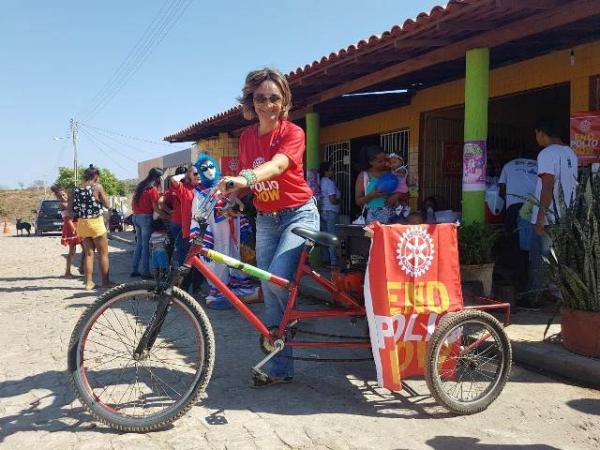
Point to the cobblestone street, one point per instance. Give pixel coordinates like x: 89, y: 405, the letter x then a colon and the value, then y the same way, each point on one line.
x: 329, y: 406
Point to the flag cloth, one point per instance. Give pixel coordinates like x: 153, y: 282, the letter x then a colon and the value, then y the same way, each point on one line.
x: 412, y: 280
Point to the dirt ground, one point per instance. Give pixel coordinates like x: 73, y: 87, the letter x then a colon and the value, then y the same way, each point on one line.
x: 329, y: 406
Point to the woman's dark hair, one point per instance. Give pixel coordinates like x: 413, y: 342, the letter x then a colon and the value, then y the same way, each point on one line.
x: 91, y: 172
x: 370, y: 152
x: 253, y: 80
x: 324, y: 167
x: 151, y: 179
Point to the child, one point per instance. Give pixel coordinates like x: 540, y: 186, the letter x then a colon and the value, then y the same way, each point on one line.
x: 69, y: 236
x: 400, y: 212
x: 414, y: 218
x: 158, y: 249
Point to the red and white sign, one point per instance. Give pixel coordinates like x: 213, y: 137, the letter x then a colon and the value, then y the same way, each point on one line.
x: 412, y: 280
x: 585, y: 136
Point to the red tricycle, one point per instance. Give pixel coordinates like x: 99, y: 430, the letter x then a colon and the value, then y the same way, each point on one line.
x: 143, y: 352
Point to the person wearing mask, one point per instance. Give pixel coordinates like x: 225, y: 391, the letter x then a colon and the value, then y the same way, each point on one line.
x: 271, y: 158
x: 145, y: 204
x: 557, y: 179
x: 86, y: 204
x: 330, y: 209
x: 366, y: 194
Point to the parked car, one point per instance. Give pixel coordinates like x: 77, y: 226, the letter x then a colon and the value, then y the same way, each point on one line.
x: 48, y: 217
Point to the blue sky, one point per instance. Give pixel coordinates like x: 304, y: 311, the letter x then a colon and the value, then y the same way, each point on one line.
x: 57, y: 55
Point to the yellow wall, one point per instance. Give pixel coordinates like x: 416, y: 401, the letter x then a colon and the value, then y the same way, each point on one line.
x: 222, y: 145
x: 545, y: 70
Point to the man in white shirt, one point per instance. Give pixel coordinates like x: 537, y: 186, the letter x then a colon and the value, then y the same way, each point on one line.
x: 557, y: 179
x: 516, y: 183
x: 330, y: 208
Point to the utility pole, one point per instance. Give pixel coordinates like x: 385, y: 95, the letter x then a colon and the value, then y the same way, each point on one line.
x: 74, y: 134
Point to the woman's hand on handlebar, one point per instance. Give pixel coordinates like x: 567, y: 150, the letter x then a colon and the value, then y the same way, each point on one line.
x: 231, y: 184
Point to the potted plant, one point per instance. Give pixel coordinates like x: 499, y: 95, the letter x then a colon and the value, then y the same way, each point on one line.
x: 475, y: 244
x: 575, y: 265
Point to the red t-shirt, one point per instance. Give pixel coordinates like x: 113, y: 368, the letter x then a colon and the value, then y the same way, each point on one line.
x: 146, y: 200
x: 173, y: 200
x: 185, y: 196
x: 289, y: 189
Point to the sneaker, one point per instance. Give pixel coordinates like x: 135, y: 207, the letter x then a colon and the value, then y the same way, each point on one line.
x: 259, y: 381
x: 134, y: 274
x: 218, y: 303
x: 255, y: 296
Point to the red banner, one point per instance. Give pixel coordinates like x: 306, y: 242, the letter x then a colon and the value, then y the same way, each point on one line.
x: 452, y: 159
x: 585, y: 136
x: 230, y: 165
x: 412, y: 280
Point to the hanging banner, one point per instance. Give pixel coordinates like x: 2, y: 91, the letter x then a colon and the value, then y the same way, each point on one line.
x: 585, y: 136
x: 230, y: 165
x: 474, y: 165
x: 452, y: 157
x: 419, y: 264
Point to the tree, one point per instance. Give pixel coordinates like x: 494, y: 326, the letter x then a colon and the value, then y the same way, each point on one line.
x: 111, y: 184
x: 38, y: 184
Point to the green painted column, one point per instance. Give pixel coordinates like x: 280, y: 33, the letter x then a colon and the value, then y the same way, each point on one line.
x: 476, y: 130
x: 312, y: 164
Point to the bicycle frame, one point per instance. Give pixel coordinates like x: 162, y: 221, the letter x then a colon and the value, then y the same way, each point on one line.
x: 352, y: 307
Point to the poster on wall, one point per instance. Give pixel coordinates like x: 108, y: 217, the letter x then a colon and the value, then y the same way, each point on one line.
x: 585, y: 136
x: 452, y: 156
x: 230, y: 165
x: 474, y: 165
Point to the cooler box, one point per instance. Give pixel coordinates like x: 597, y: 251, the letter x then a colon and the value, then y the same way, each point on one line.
x: 354, y: 246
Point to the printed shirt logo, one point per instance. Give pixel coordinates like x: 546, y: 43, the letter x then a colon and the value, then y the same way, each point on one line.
x: 234, y: 164
x: 415, y: 251
x: 258, y: 161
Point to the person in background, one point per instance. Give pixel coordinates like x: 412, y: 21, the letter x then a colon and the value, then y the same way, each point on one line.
x: 366, y: 195
x: 159, y: 242
x: 430, y: 206
x: 415, y: 218
x: 399, y: 199
x: 557, y: 179
x: 87, y: 203
x: 330, y: 209
x: 171, y: 201
x: 145, y: 203
x: 272, y: 162
x: 69, y: 236
x: 225, y: 234
x: 517, y: 182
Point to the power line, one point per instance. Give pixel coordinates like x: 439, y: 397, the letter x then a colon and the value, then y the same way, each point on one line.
x: 154, y: 35
x: 116, y: 133
x: 98, y: 145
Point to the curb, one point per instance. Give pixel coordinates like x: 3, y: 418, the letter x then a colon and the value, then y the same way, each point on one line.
x: 540, y: 355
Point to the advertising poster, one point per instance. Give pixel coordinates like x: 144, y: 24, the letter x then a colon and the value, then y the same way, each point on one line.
x: 474, y: 165
x: 585, y: 136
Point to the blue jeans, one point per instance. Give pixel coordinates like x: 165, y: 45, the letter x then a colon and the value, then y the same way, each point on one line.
x: 278, y: 251
x: 180, y: 246
x: 539, y: 247
x: 143, y: 230
x: 328, y: 221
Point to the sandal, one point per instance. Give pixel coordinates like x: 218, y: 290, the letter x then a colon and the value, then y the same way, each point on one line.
x: 259, y: 381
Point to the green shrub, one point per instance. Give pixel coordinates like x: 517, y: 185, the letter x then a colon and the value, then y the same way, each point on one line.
x: 476, y: 242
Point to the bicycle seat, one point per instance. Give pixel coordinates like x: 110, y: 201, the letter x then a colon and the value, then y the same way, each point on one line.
x: 319, y: 237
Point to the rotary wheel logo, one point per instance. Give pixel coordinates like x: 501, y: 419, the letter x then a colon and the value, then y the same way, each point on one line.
x: 258, y: 161
x: 415, y: 251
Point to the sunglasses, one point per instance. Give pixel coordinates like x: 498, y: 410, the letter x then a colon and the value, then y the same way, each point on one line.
x: 207, y: 167
x: 262, y: 99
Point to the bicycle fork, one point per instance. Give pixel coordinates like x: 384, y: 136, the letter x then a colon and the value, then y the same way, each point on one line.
x: 154, y: 325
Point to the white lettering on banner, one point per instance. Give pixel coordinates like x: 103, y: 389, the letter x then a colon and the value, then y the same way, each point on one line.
x: 396, y: 327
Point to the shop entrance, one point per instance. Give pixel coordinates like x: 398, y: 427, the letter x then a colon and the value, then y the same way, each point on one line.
x: 510, y: 133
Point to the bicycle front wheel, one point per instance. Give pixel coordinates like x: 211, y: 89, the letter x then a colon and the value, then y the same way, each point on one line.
x: 130, y: 392
x: 468, y: 361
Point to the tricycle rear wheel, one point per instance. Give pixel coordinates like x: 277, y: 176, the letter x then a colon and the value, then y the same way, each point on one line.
x: 468, y: 361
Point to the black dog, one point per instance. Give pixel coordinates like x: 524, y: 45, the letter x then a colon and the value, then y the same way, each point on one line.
x: 23, y: 226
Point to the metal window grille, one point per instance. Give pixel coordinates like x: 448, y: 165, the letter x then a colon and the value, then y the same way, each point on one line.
x: 396, y: 142
x: 338, y: 155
